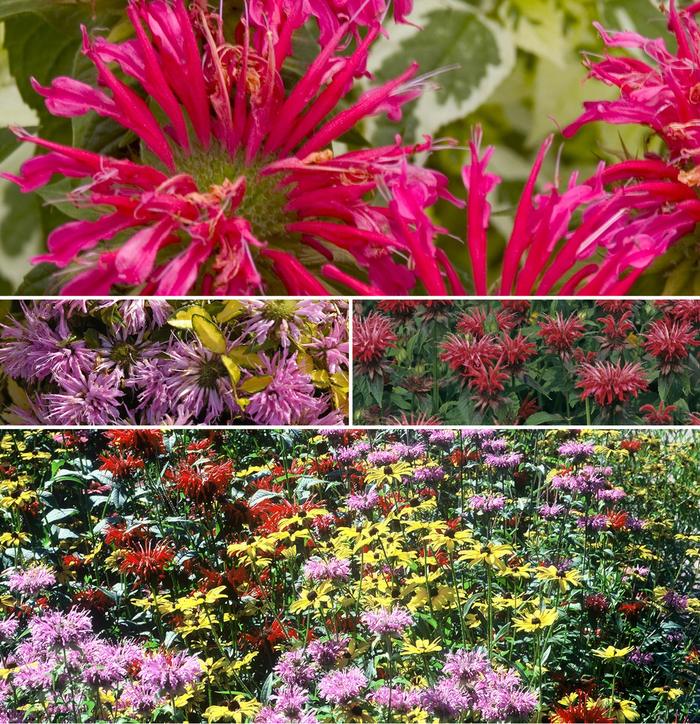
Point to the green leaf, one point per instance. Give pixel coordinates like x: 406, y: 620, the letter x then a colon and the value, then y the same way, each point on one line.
x: 35, y: 49
x: 66, y: 15
x: 39, y: 282
x: 9, y: 143
x: 543, y: 418
x: 23, y: 222
x: 376, y: 386
x: 453, y: 34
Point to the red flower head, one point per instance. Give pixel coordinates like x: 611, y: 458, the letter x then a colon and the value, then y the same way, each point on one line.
x: 147, y: 562
x: 668, y: 342
x: 370, y: 339
x: 560, y: 334
x: 516, y: 352
x: 582, y: 710
x: 486, y: 380
x: 611, y: 384
x: 401, y: 309
x: 147, y: 443
x: 121, y: 466
x: 461, y: 354
x: 616, y: 329
x: 238, y: 184
x: 662, y: 416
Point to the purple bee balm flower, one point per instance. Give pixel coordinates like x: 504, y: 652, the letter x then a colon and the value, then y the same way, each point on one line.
x: 641, y: 658
x: 8, y: 627
x: 290, y: 700
x: 342, y: 686
x: 550, y: 512
x: 170, y: 672
x: 33, y: 350
x: 91, y: 399
x: 593, y: 522
x: 445, y: 700
x: 333, y: 347
x: 104, y: 664
x: 239, y: 170
x: 293, y: 668
x: 675, y: 601
x: 195, y: 379
x: 282, y: 320
x: 429, y: 475
x: 401, y: 700
x: 614, y: 494
x: 334, y: 569
x: 30, y: 581
x: 495, y: 446
x: 440, y: 437
x: 270, y: 715
x: 466, y: 666
x: 55, y: 629
x: 364, y: 501
x: 383, y: 457
x: 487, y: 503
x: 576, y: 451
x: 507, y: 460
x: 290, y: 398
x: 387, y: 623
x: 123, y: 350
x: 326, y: 653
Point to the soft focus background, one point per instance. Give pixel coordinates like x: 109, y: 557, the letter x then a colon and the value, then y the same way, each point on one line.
x: 519, y: 76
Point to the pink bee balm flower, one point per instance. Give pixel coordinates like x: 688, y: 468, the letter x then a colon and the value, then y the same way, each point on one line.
x: 620, y: 234
x: 664, y: 96
x: 237, y: 190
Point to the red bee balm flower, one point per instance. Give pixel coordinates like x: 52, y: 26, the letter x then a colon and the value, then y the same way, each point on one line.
x: 609, y: 383
x: 237, y: 183
x: 668, y: 341
x: 370, y: 339
x: 147, y: 562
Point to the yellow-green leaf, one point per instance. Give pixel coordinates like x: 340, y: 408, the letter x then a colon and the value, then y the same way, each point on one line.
x: 320, y: 378
x: 249, y: 361
x: 256, y: 384
x: 182, y: 319
x: 209, y: 334
x: 232, y: 309
x: 233, y: 369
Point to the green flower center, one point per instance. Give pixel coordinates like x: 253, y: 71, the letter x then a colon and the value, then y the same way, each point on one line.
x: 122, y: 353
x: 280, y: 309
x: 263, y: 203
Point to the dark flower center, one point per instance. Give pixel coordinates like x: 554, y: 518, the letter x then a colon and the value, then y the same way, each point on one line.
x: 123, y: 352
x: 388, y: 470
x: 312, y: 596
x: 210, y: 372
x: 535, y: 621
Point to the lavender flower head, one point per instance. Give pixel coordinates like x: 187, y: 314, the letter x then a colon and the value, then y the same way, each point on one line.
x: 293, y: 668
x: 342, y: 686
x: 387, y: 623
x: 363, y: 501
x: 550, y: 512
x: 507, y: 460
x: 401, y: 700
x: 30, y: 581
x: 282, y: 319
x: 8, y: 627
x: 577, y: 452
x: 334, y: 569
x: 170, y: 672
x: 487, y: 503
x: 429, y: 475
x: 326, y: 653
x: 56, y: 629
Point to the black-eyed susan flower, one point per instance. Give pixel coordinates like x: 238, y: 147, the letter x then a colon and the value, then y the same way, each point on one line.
x: 612, y: 653
x: 421, y: 647
x: 488, y: 553
x: 562, y: 578
x: 237, y: 710
x: 394, y: 472
x: 536, y: 621
x: 315, y: 598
